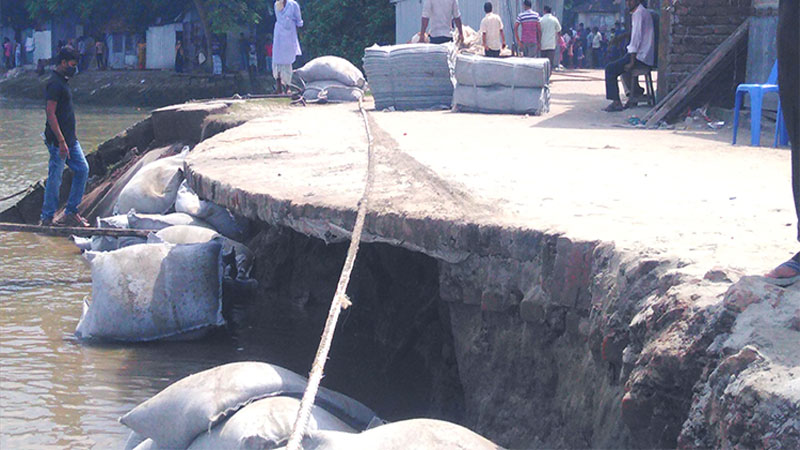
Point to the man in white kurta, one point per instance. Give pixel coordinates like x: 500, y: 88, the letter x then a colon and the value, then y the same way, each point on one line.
x: 285, y: 45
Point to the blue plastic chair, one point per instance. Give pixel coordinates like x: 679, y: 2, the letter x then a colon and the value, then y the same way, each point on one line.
x: 781, y: 133
x: 756, y: 92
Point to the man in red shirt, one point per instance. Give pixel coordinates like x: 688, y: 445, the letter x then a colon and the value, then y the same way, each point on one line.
x: 528, y: 20
x: 268, y: 53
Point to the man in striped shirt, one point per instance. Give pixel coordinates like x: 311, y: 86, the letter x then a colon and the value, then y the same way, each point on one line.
x: 528, y: 20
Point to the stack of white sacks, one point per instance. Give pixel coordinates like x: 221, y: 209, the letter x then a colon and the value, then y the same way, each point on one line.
x: 253, y: 405
x: 331, y: 79
x: 410, y: 76
x: 168, y: 285
x: 502, y: 85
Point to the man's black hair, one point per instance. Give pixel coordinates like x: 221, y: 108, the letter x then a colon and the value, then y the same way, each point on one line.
x: 66, y: 53
x: 527, y: 3
x: 548, y: 9
x: 487, y: 7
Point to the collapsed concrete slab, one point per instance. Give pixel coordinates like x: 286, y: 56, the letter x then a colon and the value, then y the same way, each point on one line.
x: 581, y: 314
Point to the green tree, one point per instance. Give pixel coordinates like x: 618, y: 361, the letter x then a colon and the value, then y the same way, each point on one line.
x: 346, y: 27
x: 15, y: 14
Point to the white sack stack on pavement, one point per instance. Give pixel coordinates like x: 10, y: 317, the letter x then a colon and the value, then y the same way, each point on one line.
x: 502, y: 85
x: 410, y: 76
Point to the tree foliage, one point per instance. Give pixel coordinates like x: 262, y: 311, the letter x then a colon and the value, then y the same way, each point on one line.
x: 345, y: 27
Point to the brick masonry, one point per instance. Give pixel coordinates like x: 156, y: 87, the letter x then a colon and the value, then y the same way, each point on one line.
x: 697, y: 28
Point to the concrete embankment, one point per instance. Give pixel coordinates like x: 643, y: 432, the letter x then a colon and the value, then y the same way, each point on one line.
x: 563, y: 294
x: 145, y: 88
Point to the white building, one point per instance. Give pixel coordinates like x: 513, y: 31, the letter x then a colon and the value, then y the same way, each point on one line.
x: 409, y: 12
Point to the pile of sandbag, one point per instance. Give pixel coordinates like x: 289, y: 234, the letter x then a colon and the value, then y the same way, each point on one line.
x: 428, y: 434
x: 502, y: 85
x: 237, y: 405
x: 170, y: 284
x: 410, y: 76
x: 331, y: 79
x: 147, y: 292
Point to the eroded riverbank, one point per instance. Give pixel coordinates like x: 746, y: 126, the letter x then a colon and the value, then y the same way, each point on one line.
x: 542, y: 279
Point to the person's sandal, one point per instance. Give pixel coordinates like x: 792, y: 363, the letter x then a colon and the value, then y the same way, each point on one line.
x: 74, y: 220
x: 786, y: 281
x: 613, y: 108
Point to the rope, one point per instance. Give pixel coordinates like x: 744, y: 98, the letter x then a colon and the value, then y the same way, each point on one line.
x: 15, y: 194
x: 340, y: 301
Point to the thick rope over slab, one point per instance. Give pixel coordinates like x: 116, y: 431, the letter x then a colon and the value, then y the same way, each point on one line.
x: 340, y: 301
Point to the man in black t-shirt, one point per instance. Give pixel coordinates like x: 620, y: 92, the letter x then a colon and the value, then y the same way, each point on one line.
x: 62, y: 142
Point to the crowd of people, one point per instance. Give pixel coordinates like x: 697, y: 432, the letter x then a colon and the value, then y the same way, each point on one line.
x: 15, y: 53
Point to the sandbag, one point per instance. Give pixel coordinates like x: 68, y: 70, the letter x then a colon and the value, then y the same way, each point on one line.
x: 184, y: 234
x: 154, y: 187
x: 474, y: 70
x: 265, y: 423
x: 82, y: 243
x: 331, y: 68
x: 428, y: 434
x: 119, y: 221
x: 222, y: 220
x: 106, y: 243
x: 153, y: 291
x: 198, y: 402
x: 192, y: 234
x: 138, y: 221
x: 500, y: 99
x: 331, y: 91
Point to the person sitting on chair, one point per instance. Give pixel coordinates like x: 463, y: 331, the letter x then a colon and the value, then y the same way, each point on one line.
x: 641, y: 55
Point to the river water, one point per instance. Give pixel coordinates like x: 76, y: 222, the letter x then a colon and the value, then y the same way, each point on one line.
x: 55, y: 391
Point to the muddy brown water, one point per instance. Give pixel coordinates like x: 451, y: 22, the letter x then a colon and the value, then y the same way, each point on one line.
x: 55, y: 391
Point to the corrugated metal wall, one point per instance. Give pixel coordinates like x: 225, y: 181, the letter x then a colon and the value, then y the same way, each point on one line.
x: 408, y: 13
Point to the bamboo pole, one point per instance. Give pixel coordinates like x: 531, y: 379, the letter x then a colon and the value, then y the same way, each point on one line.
x: 72, y: 231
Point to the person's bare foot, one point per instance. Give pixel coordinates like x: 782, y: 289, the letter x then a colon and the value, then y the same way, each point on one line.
x: 786, y: 273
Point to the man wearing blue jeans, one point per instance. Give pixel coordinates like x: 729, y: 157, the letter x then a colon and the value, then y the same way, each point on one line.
x: 62, y: 142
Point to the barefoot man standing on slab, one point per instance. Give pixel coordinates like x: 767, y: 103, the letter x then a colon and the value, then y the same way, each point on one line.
x: 285, y: 45
x: 62, y: 142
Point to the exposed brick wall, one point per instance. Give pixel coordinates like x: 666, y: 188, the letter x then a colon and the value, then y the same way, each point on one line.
x: 698, y: 27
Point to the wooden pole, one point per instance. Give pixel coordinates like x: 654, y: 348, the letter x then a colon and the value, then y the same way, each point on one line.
x: 695, y: 80
x: 73, y: 231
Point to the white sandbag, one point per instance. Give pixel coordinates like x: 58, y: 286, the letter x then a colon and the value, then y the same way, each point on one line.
x: 500, y: 99
x: 191, y: 234
x: 222, y: 220
x: 197, y: 403
x: 331, y: 91
x: 138, y: 221
x: 119, y: 221
x: 153, y: 291
x: 331, y: 68
x: 134, y: 440
x: 474, y: 70
x: 154, y: 187
x: 82, y: 243
x: 184, y: 234
x: 428, y: 434
x: 265, y: 423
